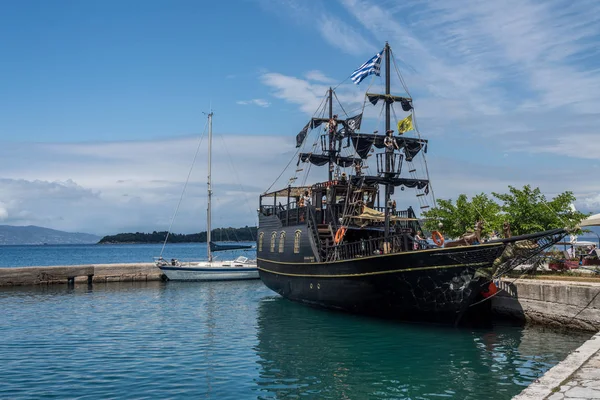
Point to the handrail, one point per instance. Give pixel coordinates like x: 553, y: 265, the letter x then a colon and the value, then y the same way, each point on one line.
x: 311, y: 221
x: 362, y: 248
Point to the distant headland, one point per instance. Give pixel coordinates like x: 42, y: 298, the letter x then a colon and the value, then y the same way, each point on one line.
x: 245, y: 234
x: 37, y: 235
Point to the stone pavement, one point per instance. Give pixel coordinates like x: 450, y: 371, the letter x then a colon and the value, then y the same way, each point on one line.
x: 584, y: 384
x: 575, y: 378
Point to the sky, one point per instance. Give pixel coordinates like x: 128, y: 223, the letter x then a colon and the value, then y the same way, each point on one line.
x: 103, y: 103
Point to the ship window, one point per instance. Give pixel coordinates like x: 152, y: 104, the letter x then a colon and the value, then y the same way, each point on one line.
x: 297, y: 241
x: 260, y: 240
x: 273, y: 236
x: 281, y: 241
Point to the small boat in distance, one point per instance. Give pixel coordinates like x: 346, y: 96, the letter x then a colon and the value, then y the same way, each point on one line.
x: 241, y: 268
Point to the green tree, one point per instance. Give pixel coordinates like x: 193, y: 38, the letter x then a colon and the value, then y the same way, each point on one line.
x: 456, y: 219
x: 528, y: 211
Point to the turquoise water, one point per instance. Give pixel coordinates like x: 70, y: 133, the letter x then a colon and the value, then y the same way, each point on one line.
x: 238, y: 340
x: 25, y: 256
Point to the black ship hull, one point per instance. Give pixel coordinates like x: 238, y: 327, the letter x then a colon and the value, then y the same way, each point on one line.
x: 433, y: 285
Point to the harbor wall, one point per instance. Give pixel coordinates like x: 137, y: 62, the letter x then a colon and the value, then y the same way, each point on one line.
x: 71, y: 274
x: 560, y: 304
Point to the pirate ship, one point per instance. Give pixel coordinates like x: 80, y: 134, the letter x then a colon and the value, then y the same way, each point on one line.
x: 342, y: 244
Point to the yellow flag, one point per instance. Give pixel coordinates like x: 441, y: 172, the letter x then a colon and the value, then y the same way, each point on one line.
x: 405, y: 125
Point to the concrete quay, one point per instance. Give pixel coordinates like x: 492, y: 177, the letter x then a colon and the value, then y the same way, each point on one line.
x: 71, y: 274
x: 575, y: 378
x: 566, y: 305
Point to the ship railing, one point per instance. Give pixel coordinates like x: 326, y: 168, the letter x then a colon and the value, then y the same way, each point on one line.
x: 400, y: 213
x: 289, y: 215
x: 365, y: 248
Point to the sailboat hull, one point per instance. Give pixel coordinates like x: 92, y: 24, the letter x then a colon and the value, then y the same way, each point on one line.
x: 428, y: 285
x: 189, y: 273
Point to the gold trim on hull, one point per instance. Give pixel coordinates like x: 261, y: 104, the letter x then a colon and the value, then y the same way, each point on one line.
x: 374, y: 272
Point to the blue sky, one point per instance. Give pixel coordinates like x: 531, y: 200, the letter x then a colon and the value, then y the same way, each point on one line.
x: 101, y: 101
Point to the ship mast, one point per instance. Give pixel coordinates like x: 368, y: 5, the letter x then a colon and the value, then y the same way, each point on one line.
x: 331, y: 135
x: 386, y: 232
x: 208, y: 210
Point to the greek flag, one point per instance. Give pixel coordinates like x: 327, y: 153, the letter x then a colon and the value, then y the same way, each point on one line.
x: 370, y: 67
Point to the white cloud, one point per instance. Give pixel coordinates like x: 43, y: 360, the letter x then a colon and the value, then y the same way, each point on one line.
x: 343, y: 36
x: 520, y: 70
x: 318, y: 76
x: 3, y: 211
x: 256, y: 102
x: 112, y: 187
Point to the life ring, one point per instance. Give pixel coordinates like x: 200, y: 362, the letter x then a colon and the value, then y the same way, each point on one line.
x: 491, y: 290
x: 339, y: 235
x: 437, y: 238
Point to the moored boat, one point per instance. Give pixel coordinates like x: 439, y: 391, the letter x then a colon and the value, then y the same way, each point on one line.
x: 342, y: 244
x: 241, y: 268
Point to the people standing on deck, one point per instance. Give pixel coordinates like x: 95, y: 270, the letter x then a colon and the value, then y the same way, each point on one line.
x: 357, y: 168
x: 571, y: 251
x: 418, y: 238
x: 333, y: 122
x: 306, y: 198
x: 390, y: 145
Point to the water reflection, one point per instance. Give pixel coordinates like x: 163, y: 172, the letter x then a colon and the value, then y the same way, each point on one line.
x: 311, y: 352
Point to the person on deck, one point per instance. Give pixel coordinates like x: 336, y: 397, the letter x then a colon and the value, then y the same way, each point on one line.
x: 333, y: 122
x: 418, y: 239
x: 571, y: 252
x: 357, y: 168
x: 306, y: 198
x: 390, y: 145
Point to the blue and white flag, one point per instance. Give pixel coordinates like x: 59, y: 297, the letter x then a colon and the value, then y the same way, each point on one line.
x: 373, y: 66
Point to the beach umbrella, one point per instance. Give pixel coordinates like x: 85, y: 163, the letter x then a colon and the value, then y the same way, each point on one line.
x: 592, y: 220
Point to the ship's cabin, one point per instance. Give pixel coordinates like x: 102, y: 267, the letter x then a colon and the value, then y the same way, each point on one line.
x: 327, y: 207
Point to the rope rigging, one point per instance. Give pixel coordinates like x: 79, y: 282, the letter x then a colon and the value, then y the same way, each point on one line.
x: 184, y: 188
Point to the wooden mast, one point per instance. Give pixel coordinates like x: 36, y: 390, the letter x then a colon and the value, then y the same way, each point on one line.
x: 387, y: 128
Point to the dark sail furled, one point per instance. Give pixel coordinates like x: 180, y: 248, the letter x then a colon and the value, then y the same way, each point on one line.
x: 314, y: 123
x: 223, y: 247
x: 411, y: 146
x: 322, y: 159
x: 408, y: 182
x: 406, y: 102
x: 362, y: 143
x: 302, y: 135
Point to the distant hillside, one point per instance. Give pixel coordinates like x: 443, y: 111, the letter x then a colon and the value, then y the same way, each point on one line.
x: 246, y: 234
x: 15, y: 235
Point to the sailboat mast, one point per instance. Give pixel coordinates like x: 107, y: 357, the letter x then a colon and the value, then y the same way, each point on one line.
x: 386, y: 231
x: 208, y: 210
x: 330, y: 135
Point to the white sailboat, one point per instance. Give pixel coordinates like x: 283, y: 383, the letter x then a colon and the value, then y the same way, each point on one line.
x: 241, y: 268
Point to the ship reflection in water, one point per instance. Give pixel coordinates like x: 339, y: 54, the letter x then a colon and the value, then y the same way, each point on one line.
x: 304, y: 352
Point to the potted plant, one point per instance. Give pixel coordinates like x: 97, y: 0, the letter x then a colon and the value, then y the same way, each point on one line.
x: 556, y: 260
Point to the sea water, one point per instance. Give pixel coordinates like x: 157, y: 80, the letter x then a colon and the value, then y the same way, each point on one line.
x: 239, y: 340
x: 25, y: 256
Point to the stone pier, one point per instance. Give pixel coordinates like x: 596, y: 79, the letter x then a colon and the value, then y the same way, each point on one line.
x: 74, y: 274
